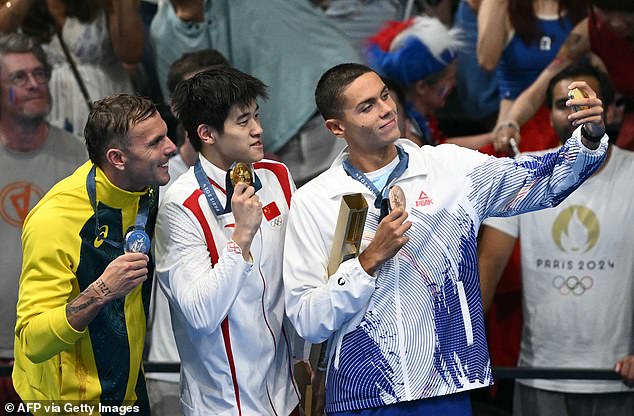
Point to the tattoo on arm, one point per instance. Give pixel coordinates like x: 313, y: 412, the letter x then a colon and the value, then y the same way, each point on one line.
x: 103, y: 288
x: 78, y: 305
x: 87, y: 298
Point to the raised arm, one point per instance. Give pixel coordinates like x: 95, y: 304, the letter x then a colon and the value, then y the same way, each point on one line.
x: 576, y: 46
x: 493, y: 32
x: 126, y: 30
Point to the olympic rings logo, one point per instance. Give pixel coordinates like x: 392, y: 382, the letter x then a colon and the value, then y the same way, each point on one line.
x: 572, y: 284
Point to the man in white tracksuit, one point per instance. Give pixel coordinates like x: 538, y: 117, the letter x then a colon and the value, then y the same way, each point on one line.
x: 219, y: 255
x: 404, y: 319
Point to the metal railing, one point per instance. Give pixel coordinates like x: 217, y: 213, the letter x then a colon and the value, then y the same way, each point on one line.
x: 499, y: 373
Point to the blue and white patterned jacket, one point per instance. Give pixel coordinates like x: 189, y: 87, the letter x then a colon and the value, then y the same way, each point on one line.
x: 416, y: 329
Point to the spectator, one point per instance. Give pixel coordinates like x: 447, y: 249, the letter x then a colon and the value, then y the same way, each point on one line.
x: 101, y: 36
x: 33, y: 155
x: 219, y: 247
x: 295, y: 43
x: 404, y: 319
x: 477, y: 93
x: 608, y: 32
x: 82, y: 302
x: 576, y: 264
x: 518, y: 39
x: 360, y: 19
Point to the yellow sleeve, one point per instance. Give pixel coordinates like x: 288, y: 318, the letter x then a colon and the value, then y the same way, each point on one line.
x: 50, y: 247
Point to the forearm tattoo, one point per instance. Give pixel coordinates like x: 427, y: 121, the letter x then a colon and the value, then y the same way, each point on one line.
x: 87, y: 297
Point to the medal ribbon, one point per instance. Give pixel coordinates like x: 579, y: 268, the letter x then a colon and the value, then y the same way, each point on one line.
x: 210, y: 194
x: 381, y: 200
x: 141, y: 217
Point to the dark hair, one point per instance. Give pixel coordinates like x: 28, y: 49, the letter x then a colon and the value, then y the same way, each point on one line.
x: 207, y: 98
x: 575, y: 71
x: 626, y: 6
x: 19, y: 43
x: 328, y: 94
x: 525, y: 22
x: 39, y: 22
x: 110, y: 121
x: 193, y: 61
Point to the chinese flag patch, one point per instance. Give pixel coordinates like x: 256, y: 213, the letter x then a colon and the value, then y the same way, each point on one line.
x: 271, y: 211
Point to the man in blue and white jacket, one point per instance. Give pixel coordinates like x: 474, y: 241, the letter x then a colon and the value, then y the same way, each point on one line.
x: 404, y: 319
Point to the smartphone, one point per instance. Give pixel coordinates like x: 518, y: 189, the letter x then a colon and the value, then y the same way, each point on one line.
x: 576, y: 93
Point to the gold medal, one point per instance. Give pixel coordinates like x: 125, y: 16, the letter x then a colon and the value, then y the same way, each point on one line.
x: 241, y: 173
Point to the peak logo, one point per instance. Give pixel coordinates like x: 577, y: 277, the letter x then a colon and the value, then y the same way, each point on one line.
x: 423, y: 200
x: 576, y: 230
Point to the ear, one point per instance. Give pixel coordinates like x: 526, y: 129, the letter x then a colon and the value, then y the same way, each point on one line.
x: 207, y: 134
x: 336, y: 127
x: 116, y: 158
x: 421, y: 88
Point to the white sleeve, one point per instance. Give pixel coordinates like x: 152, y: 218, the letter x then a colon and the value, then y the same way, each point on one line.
x: 202, y: 293
x: 508, y: 225
x: 317, y: 305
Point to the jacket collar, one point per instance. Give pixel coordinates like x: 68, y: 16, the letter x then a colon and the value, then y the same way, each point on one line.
x: 339, y: 183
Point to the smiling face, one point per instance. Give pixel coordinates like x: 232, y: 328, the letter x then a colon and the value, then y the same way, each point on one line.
x: 24, y: 87
x: 241, y: 139
x: 368, y: 119
x: 145, y: 159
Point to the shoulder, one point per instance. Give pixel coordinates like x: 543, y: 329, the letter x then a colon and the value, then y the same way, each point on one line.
x: 272, y: 171
x: 181, y: 189
x: 53, y: 210
x: 279, y: 169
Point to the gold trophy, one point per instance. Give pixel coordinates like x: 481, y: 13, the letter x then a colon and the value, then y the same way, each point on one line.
x: 241, y: 172
x: 345, y: 245
x: 349, y: 230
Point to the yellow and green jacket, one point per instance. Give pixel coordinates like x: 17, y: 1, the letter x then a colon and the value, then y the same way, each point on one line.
x: 63, y: 253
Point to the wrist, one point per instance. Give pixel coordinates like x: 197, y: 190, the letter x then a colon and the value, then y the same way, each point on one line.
x: 368, y: 262
x: 589, y: 137
x: 101, y: 291
x: 510, y: 123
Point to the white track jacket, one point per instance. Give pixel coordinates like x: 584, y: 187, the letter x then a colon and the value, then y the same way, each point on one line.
x: 227, y: 314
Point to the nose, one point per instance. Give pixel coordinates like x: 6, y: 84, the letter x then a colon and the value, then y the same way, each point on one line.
x: 31, y: 81
x: 387, y: 107
x: 256, y: 129
x: 170, y: 146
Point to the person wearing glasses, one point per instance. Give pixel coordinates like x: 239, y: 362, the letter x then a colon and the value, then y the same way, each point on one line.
x: 84, y: 294
x: 34, y: 155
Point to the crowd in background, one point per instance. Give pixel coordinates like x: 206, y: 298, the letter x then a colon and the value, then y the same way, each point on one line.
x: 489, y: 75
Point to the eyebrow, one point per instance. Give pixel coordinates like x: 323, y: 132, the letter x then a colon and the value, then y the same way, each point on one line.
x: 371, y: 100
x: 157, y: 140
x: 246, y: 114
